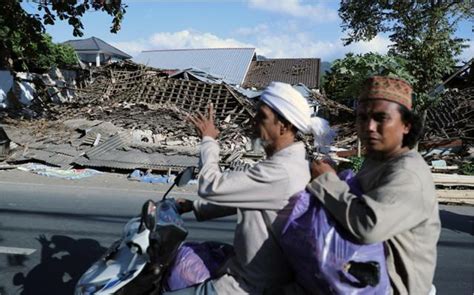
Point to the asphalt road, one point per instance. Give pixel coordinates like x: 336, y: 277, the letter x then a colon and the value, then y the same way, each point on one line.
x: 52, y: 230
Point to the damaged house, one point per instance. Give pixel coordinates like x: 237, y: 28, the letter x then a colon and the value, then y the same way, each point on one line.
x: 129, y: 119
x: 128, y: 115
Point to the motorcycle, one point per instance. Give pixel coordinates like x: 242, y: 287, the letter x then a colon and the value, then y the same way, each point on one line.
x: 139, y: 260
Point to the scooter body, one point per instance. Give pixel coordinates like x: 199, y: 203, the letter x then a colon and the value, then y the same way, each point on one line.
x: 122, y: 262
x: 136, y: 263
x: 142, y: 254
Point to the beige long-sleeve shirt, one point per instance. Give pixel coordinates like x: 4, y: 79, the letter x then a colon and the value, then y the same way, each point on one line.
x: 259, y: 262
x: 399, y: 206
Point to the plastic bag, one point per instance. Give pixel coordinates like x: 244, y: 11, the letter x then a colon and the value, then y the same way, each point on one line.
x: 324, y: 257
x: 196, y: 263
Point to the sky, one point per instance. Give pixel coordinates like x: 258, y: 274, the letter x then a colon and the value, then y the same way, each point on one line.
x: 276, y: 28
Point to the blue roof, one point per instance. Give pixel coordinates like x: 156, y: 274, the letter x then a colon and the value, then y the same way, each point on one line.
x: 230, y: 64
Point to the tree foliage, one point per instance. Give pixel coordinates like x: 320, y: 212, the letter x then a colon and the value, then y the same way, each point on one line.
x: 22, y: 33
x: 422, y: 32
x: 343, y: 81
x: 59, y: 55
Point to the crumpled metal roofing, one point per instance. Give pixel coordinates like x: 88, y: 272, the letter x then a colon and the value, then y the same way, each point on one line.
x: 134, y: 159
x: 49, y: 157
x: 114, y: 142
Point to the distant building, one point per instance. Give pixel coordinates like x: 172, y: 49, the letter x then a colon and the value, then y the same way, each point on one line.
x: 96, y: 51
x: 229, y: 64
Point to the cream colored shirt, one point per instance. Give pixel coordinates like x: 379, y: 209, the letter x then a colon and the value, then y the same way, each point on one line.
x: 259, y: 262
x: 399, y: 207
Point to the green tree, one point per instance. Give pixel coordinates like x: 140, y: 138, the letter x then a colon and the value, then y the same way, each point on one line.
x: 422, y: 32
x: 22, y: 33
x: 343, y: 81
x: 59, y: 55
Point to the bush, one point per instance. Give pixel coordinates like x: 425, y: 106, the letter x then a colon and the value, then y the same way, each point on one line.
x: 59, y: 55
x: 355, y: 164
x: 467, y: 168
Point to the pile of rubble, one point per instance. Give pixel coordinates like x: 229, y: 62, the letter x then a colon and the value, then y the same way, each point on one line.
x: 127, y: 116
x: 146, y: 100
x: 452, y: 117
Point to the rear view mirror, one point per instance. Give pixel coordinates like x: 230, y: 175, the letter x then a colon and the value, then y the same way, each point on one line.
x: 149, y: 215
x: 184, y: 176
x: 181, y: 179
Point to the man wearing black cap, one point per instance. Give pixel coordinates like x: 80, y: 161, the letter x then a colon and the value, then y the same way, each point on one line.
x: 399, y: 204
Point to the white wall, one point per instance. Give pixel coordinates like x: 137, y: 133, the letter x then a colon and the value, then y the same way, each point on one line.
x: 61, y: 84
x: 6, y: 83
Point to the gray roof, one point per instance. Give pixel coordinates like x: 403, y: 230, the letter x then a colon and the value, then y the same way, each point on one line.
x: 49, y: 157
x: 93, y: 45
x: 230, y: 64
x: 134, y: 159
x: 289, y: 70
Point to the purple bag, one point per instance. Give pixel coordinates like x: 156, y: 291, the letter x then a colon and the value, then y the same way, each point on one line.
x: 196, y: 263
x: 324, y: 257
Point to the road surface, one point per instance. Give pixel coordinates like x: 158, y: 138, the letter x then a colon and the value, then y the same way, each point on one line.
x: 52, y: 230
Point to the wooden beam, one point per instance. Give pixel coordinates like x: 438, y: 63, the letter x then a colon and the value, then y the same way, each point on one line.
x: 453, y: 179
x: 455, y: 196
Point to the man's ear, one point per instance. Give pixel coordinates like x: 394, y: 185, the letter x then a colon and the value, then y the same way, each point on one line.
x: 406, y: 128
x: 284, y: 128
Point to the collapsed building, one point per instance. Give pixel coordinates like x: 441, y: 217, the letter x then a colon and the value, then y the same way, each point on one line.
x: 129, y: 119
x: 130, y: 116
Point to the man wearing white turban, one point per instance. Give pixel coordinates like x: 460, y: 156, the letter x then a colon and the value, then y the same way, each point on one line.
x: 256, y: 194
x: 290, y: 104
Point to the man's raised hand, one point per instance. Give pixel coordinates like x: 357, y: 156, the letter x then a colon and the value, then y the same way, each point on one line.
x: 205, y: 124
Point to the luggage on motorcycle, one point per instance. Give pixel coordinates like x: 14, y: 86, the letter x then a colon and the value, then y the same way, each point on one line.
x: 168, y: 234
x: 196, y: 263
x: 324, y: 257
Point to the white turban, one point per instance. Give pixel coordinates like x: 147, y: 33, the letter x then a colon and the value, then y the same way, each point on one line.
x: 290, y: 104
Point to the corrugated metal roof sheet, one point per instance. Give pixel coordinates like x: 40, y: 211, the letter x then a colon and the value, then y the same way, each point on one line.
x: 289, y: 70
x: 230, y: 64
x: 136, y: 159
x: 94, y: 44
x: 118, y: 159
x: 114, y: 142
x: 53, y: 158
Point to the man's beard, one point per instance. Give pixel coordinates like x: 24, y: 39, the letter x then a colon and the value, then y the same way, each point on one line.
x: 267, y: 146
x: 265, y: 143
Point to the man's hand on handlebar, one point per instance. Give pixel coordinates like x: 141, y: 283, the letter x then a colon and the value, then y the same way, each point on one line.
x: 184, y: 205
